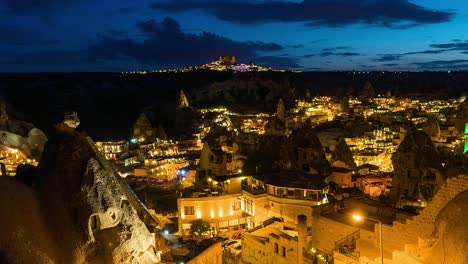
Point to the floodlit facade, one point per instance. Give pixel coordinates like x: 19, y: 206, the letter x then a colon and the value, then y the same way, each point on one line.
x: 224, y: 213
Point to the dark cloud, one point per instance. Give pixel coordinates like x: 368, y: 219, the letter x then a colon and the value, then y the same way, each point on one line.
x: 343, y: 54
x: 51, y: 42
x: 309, y: 55
x: 390, y: 64
x: 277, y: 62
x: 456, y: 45
x: 443, y: 65
x: 127, y: 10
x: 347, y: 54
x: 426, y: 52
x: 45, y: 57
x: 313, y: 69
x: 14, y: 36
x: 335, y: 48
x: 367, y: 66
x: 116, y: 32
x: 333, y: 13
x: 11, y: 35
x: 297, y: 46
x: 389, y: 57
x: 37, y: 7
x: 326, y: 53
x: 164, y: 44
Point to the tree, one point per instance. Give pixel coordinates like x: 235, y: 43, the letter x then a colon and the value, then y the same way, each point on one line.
x: 199, y: 227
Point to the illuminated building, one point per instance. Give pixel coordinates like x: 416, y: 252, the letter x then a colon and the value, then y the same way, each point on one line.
x: 224, y: 213
x: 12, y: 158
x: 112, y: 149
x: 276, y: 243
x: 465, y: 149
x: 283, y: 194
x: 162, y: 168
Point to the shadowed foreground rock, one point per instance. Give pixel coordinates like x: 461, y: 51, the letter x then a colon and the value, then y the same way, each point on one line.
x: 78, y: 210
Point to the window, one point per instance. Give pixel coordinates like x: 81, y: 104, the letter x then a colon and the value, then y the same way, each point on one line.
x: 236, y: 205
x: 276, y: 248
x: 283, y: 251
x: 189, y: 210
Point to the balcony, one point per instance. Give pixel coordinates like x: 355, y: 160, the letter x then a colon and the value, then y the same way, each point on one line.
x: 254, y: 190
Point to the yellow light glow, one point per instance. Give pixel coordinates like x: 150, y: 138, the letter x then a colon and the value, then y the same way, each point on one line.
x: 357, y: 217
x: 199, y: 215
x: 212, y: 214
x: 220, y: 212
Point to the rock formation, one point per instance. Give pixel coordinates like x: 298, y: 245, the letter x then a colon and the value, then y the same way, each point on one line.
x: 341, y: 156
x: 431, y: 127
x: 275, y: 127
x: 416, y: 166
x: 265, y: 155
x: 438, y: 234
x: 368, y: 91
x: 142, y: 129
x: 81, y: 211
x: 281, y: 110
x: 182, y: 101
x: 461, y: 117
x: 307, y: 94
x: 303, y: 151
x: 20, y: 135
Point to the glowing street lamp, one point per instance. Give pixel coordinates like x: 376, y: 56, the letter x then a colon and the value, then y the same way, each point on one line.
x: 358, y: 217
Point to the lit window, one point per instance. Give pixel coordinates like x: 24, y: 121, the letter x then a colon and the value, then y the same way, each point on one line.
x: 189, y: 210
x: 236, y: 205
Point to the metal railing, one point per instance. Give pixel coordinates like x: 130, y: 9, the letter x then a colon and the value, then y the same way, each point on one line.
x: 347, y: 245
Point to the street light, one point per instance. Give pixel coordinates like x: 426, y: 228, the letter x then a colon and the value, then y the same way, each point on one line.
x: 358, y: 217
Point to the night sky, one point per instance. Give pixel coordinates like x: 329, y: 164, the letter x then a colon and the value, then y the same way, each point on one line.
x: 118, y: 35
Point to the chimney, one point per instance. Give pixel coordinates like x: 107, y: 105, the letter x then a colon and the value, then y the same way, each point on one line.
x: 301, y: 237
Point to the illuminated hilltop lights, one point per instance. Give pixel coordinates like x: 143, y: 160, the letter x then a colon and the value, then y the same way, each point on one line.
x: 224, y: 63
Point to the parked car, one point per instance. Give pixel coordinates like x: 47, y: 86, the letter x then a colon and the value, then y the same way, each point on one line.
x: 236, y: 249
x: 228, y: 244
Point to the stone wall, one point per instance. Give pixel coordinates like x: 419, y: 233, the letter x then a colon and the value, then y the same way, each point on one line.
x: 212, y: 255
x: 422, y: 226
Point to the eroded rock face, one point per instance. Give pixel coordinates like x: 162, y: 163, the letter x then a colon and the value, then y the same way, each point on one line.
x: 461, y: 117
x: 303, y: 151
x: 266, y: 154
x: 114, y: 220
x: 20, y: 135
x: 342, y: 156
x: 449, y: 242
x: 275, y: 127
x: 85, y: 213
x: 416, y: 166
x: 431, y: 127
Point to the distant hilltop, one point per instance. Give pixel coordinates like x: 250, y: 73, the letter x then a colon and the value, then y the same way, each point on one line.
x: 224, y: 63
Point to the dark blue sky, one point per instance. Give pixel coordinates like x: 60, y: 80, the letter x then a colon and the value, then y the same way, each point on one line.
x: 118, y: 35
